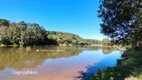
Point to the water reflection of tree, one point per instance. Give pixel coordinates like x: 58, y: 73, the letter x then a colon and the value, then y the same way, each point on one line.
x: 105, y: 50
x: 20, y: 58
x: 108, y: 50
x: 93, y: 48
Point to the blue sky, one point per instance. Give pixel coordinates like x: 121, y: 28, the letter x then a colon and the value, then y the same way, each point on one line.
x: 74, y: 16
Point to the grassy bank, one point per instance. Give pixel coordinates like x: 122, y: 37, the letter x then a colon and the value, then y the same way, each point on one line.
x: 128, y: 68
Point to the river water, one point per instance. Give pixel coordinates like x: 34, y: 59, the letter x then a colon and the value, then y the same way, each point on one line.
x: 54, y: 63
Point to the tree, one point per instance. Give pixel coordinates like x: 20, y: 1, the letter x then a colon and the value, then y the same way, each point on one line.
x: 4, y: 22
x: 3, y: 26
x: 22, y: 33
x: 13, y: 33
x: 122, y: 20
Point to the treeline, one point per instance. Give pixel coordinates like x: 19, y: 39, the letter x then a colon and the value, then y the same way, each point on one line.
x: 64, y: 38
x: 33, y: 34
x: 21, y: 34
x: 104, y: 42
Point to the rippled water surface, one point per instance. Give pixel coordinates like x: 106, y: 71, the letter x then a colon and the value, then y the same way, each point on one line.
x: 54, y: 63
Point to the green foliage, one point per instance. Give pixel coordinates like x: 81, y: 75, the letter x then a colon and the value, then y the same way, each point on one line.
x: 22, y: 33
x: 104, y: 42
x: 13, y: 33
x: 3, y: 26
x: 63, y: 38
x: 92, y: 41
x: 4, y: 22
x: 122, y: 21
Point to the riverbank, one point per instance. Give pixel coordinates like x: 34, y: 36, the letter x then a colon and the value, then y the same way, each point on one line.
x: 61, y: 45
x: 128, y: 68
x: 15, y: 45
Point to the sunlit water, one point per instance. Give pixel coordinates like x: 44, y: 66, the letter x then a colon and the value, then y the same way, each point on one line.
x: 54, y: 63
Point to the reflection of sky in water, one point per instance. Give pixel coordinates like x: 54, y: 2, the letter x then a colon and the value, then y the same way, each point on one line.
x: 69, y: 67
x: 108, y: 60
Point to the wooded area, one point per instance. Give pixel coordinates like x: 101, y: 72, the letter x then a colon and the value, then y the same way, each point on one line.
x: 21, y: 34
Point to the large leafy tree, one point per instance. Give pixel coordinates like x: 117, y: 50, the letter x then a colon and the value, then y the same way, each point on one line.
x: 122, y: 20
x: 3, y: 26
x: 13, y: 33
x: 4, y: 22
